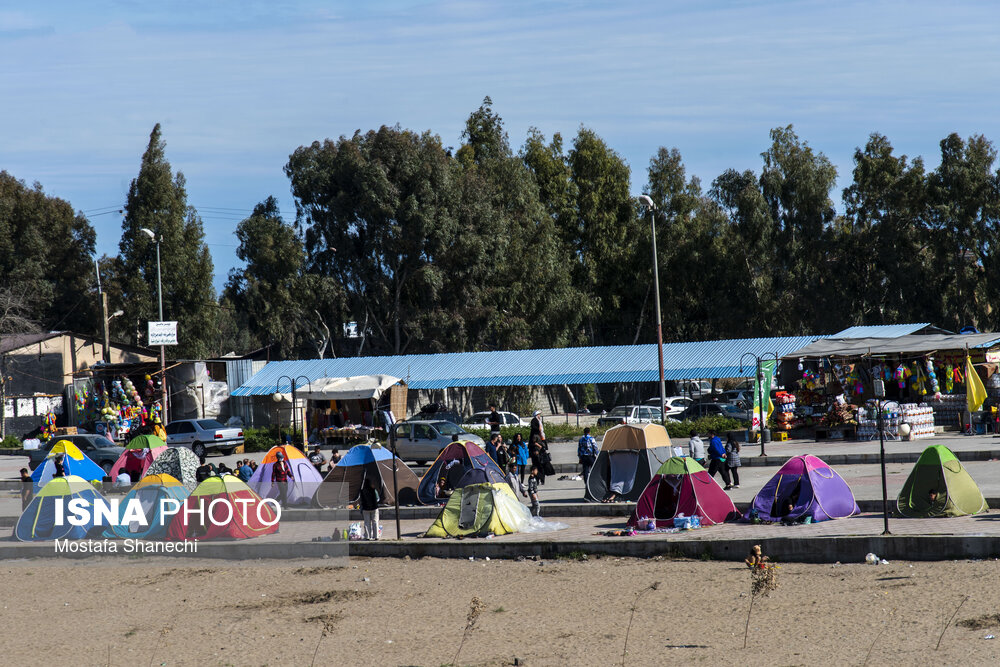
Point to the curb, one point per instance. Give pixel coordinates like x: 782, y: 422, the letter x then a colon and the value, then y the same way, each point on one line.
x: 849, y: 549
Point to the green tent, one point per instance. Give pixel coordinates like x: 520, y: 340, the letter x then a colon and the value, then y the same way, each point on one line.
x: 939, y: 471
x: 479, y: 510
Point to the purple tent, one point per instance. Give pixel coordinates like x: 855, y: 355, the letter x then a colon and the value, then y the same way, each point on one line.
x: 813, y: 488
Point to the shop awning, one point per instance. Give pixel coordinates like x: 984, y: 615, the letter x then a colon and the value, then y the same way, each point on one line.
x: 362, y: 387
x: 914, y: 343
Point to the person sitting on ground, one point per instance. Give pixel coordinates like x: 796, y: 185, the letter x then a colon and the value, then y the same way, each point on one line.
x: 223, y: 469
x: 60, y: 468
x: 334, y: 457
x: 124, y: 479
x: 441, y: 489
x: 204, y: 471
x: 253, y: 465
x: 932, y: 496
x: 243, y: 471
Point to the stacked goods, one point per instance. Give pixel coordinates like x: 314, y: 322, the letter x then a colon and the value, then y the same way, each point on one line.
x: 785, y: 411
x: 868, y: 421
x: 947, y: 408
x: 920, y: 418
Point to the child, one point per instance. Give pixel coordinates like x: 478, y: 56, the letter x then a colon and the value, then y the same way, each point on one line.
x: 533, y: 490
x: 513, y: 481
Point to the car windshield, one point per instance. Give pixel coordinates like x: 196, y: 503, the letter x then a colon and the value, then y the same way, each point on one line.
x: 621, y: 411
x: 730, y: 409
x: 447, y: 428
x: 209, y: 424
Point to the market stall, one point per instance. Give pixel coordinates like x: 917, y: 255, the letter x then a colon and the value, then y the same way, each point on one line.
x: 349, y: 410
x: 923, y: 381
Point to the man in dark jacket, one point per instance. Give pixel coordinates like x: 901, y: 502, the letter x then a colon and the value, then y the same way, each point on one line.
x: 369, y: 508
x: 717, y: 458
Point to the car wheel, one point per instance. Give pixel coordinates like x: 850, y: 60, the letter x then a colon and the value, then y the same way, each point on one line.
x: 106, y: 467
x: 198, y: 449
x: 228, y: 451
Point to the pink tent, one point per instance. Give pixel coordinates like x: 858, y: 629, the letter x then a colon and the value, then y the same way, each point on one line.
x: 139, y: 454
x: 682, y: 486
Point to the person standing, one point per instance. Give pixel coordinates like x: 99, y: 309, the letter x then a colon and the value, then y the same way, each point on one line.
x: 491, y: 446
x: 516, y: 485
x: 494, y: 421
x: 369, y: 508
x: 503, y: 452
x: 537, y: 427
x: 533, y: 490
x: 586, y: 451
x: 27, y: 488
x: 696, y: 448
x: 717, y: 459
x: 733, y: 459
x: 521, y: 456
x: 537, y: 464
x: 317, y: 459
x: 281, y: 474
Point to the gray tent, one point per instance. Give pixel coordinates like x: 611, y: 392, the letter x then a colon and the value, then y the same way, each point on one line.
x: 630, y: 455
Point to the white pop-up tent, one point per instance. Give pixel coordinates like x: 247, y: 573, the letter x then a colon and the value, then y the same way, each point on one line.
x: 361, y: 387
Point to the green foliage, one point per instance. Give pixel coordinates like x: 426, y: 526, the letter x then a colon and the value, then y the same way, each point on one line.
x: 10, y: 442
x: 157, y: 200
x: 273, y: 298
x: 717, y: 423
x: 263, y: 439
x: 45, y: 251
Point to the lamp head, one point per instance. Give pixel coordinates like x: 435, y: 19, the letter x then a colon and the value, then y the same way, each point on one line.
x: 646, y: 201
x: 149, y: 233
x: 117, y: 313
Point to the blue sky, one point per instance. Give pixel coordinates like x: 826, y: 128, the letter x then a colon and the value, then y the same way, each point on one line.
x: 238, y: 85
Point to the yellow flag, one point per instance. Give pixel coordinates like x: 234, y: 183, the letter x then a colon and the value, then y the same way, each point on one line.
x: 975, y: 392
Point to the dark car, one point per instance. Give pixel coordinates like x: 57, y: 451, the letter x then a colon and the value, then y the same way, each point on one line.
x: 98, y: 449
x: 699, y: 410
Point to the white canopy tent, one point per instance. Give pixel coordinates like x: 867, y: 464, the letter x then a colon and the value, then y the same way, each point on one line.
x: 361, y: 387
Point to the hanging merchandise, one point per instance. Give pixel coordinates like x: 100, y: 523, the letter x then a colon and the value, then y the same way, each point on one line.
x: 932, y: 376
x: 959, y: 377
x: 949, y: 379
x: 809, y: 379
x: 902, y: 375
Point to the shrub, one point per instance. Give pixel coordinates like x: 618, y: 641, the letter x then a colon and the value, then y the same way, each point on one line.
x: 262, y: 439
x: 11, y: 442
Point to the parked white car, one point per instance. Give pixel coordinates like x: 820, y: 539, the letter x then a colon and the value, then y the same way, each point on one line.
x: 200, y: 435
x: 482, y: 420
x: 631, y: 414
x: 422, y: 440
x: 675, y: 404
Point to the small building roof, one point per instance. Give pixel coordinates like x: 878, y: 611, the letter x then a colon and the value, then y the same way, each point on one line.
x: 915, y: 343
x: 888, y: 330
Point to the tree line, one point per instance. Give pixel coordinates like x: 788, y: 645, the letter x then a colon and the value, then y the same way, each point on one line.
x: 431, y: 248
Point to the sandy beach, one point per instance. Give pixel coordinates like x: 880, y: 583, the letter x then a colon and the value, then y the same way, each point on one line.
x: 556, y: 612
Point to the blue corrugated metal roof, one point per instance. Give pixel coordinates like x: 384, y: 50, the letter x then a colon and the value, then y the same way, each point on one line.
x: 572, y: 365
x: 881, y: 330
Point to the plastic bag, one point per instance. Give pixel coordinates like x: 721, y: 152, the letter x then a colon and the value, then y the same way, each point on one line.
x: 356, y: 531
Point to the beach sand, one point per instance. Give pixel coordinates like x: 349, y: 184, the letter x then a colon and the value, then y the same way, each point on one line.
x: 552, y: 612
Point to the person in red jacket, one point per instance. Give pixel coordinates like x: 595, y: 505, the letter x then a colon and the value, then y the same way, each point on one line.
x: 281, y: 474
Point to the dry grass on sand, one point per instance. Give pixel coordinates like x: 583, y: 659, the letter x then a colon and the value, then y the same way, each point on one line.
x: 559, y: 612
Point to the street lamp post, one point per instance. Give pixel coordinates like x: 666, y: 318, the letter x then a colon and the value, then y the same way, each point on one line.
x: 159, y: 295
x: 295, y: 422
x: 651, y: 208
